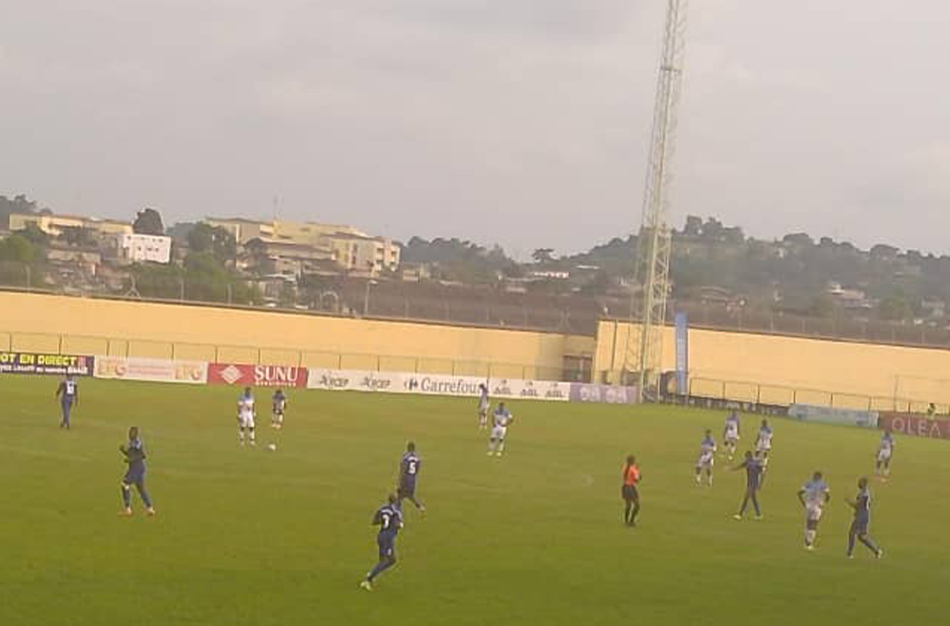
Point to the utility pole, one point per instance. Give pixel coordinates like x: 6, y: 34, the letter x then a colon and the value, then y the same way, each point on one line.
x: 644, y: 358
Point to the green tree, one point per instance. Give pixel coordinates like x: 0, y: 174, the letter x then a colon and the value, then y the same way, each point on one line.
x: 19, y: 204
x: 214, y: 239
x: 148, y: 222
x: 18, y: 249
x: 894, y: 308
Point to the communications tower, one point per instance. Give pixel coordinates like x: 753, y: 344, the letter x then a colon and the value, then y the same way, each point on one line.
x: 644, y: 356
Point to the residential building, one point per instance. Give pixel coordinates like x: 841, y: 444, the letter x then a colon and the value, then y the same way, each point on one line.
x: 362, y: 254
x: 351, y: 249
x: 136, y: 248
x: 286, y: 258
x: 54, y: 225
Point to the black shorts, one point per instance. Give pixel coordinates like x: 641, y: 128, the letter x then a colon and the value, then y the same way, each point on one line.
x: 407, y: 490
x: 630, y: 493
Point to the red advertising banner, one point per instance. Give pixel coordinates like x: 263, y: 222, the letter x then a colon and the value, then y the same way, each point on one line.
x: 915, y: 425
x: 257, y: 375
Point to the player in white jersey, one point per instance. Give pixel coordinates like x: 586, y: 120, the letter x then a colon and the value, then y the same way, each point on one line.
x: 813, y: 496
x: 484, y: 404
x: 763, y: 445
x: 706, y: 460
x: 501, y: 419
x: 245, y: 416
x: 278, y: 406
x: 730, y: 434
x: 884, y: 454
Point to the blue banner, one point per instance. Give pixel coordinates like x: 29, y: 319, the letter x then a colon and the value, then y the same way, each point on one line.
x: 682, y: 352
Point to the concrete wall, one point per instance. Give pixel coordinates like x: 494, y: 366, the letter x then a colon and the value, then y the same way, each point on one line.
x: 786, y: 369
x: 32, y: 322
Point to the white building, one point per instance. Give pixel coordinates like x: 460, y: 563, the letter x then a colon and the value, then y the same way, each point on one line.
x: 135, y: 248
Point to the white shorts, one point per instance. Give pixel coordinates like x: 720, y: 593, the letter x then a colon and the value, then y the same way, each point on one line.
x: 246, y: 420
x: 813, y: 512
x: 483, y: 412
x: 732, y: 437
x: 498, y: 432
x: 706, y: 461
x: 763, y: 447
x: 883, y: 456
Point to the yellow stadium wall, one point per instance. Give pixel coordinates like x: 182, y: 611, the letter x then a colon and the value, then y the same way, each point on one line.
x: 788, y: 368
x: 45, y: 323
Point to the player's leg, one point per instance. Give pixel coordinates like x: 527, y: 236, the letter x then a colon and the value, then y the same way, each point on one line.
x: 143, y: 493
x: 709, y: 475
x: 864, y: 538
x: 755, y: 502
x: 627, y: 507
x: 501, y: 446
x: 887, y: 467
x: 387, y: 558
x: 852, y: 535
x: 811, y: 531
x: 241, y: 430
x: 745, y: 503
x: 699, y: 473
x: 491, y: 445
x: 126, y: 497
x: 636, y: 509
x: 66, y: 407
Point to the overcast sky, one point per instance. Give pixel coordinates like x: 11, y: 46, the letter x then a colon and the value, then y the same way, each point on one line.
x: 522, y: 122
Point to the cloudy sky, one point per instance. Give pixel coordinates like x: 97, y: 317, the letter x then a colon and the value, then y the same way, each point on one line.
x: 522, y: 122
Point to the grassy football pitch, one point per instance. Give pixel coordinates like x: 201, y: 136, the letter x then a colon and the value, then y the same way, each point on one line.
x: 250, y: 536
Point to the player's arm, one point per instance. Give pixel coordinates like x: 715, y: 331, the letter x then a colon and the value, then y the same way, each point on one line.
x: 801, y: 496
x: 827, y: 497
x: 377, y: 519
x: 61, y: 389
x: 740, y: 466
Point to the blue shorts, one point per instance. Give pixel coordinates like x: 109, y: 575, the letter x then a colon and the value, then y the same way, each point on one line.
x: 134, y: 476
x: 407, y: 489
x: 387, y: 545
x: 860, y: 525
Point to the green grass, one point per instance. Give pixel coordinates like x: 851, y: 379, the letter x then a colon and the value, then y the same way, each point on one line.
x: 256, y: 537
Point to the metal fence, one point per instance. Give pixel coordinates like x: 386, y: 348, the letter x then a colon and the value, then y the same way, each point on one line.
x: 51, y: 343
x: 752, y: 393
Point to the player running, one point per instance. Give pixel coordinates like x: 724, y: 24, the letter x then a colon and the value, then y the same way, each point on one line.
x: 763, y: 445
x: 408, y: 473
x: 753, y: 471
x: 862, y: 519
x: 135, y: 475
x: 629, y: 492
x: 245, y: 416
x: 501, y: 419
x: 884, y: 454
x: 706, y: 460
x: 278, y: 406
x: 389, y: 520
x: 730, y: 434
x: 813, y: 496
x: 484, y: 404
x: 68, y: 394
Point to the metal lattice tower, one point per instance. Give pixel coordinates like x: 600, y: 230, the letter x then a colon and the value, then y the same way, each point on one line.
x: 652, y: 270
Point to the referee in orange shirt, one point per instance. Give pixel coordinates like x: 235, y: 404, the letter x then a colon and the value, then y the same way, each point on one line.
x: 631, y: 497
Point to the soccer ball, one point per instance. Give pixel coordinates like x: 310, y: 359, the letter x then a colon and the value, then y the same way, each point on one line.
x: 272, y: 447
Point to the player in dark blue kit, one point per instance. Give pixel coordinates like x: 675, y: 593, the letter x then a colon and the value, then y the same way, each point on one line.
x: 862, y: 519
x: 389, y: 520
x: 135, y: 457
x: 68, y: 394
x: 408, y: 473
x: 753, y: 471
